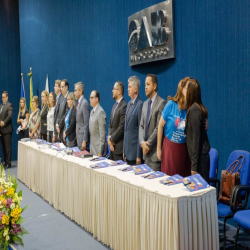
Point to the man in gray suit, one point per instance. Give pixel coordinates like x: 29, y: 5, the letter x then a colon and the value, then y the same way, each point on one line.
x: 151, y: 114
x: 132, y: 152
x: 59, y: 97
x: 62, y: 109
x: 116, y: 123
x: 97, y: 125
x: 82, y: 117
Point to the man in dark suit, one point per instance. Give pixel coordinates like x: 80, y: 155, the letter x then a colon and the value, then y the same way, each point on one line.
x: 6, y: 128
x: 132, y: 152
x: 63, y: 109
x: 151, y: 114
x: 116, y: 123
x: 59, y: 97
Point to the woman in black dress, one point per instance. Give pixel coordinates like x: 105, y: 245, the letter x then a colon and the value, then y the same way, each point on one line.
x: 196, y: 134
x: 23, y: 119
x: 43, y: 114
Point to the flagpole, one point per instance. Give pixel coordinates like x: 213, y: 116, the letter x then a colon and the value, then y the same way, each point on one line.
x: 31, y: 90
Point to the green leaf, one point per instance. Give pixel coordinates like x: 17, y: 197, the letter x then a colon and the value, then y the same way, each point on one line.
x: 20, y: 193
x: 20, y: 220
x: 13, y: 178
x: 23, y: 209
x: 15, y: 239
x: 21, y: 242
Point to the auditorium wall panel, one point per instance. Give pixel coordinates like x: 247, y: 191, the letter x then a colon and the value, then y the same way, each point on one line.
x: 10, y: 68
x: 87, y: 41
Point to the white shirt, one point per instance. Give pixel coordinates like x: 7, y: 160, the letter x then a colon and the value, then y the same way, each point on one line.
x: 50, y: 119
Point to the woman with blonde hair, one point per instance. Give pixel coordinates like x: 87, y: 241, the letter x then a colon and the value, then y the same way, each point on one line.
x: 34, y: 121
x: 23, y: 119
x: 69, y: 134
x: 43, y: 114
x: 50, y: 118
x: 173, y: 153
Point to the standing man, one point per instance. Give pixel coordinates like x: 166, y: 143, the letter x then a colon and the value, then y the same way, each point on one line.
x: 6, y: 128
x: 97, y: 125
x: 132, y: 152
x: 59, y: 97
x: 116, y: 123
x: 62, y: 109
x: 151, y: 114
x: 82, y: 118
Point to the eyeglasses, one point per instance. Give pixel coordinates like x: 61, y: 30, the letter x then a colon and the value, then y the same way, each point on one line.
x: 92, y: 97
x: 115, y: 89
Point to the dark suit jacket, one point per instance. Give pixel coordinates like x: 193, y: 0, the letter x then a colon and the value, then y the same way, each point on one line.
x: 63, y: 109
x: 131, y: 144
x: 43, y: 121
x: 116, y: 126
x: 71, y: 130
x: 60, y: 98
x: 154, y: 119
x: 6, y: 117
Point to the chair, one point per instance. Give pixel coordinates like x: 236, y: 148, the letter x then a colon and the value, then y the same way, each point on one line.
x: 227, y: 211
x: 242, y: 218
x: 214, y: 160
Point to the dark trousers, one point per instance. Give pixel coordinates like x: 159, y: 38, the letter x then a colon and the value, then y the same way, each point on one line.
x: 204, y: 166
x: 115, y: 157
x: 56, y: 135
x: 131, y: 162
x: 6, y: 146
x: 23, y: 134
x: 44, y: 137
x: 50, y: 136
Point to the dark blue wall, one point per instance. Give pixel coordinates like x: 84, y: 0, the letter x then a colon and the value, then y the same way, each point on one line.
x: 87, y: 41
x: 10, y: 68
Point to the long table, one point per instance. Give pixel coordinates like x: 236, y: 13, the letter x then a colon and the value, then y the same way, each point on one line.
x: 122, y: 210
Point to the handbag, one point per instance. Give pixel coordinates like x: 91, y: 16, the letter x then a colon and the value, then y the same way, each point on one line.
x: 229, y: 180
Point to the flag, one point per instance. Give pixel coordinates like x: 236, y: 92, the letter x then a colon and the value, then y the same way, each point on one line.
x: 31, y: 90
x: 22, y: 87
x: 47, y: 84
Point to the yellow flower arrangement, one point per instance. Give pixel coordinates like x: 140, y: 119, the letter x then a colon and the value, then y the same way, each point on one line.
x: 10, y: 211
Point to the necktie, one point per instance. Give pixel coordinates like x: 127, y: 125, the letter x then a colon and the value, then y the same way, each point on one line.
x: 116, y: 104
x: 77, y: 106
x: 57, y: 100
x: 2, y: 108
x: 62, y: 102
x: 92, y: 113
x: 147, y: 120
x: 129, y: 110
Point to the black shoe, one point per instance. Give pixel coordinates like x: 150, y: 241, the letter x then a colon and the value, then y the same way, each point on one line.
x: 7, y: 166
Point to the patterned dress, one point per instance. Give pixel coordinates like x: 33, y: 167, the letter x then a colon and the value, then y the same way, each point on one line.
x: 34, y: 118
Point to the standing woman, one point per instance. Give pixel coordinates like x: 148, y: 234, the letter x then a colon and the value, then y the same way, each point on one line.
x: 23, y: 119
x: 50, y: 117
x: 69, y: 134
x: 196, y: 135
x: 173, y: 153
x: 43, y: 114
x: 34, y: 121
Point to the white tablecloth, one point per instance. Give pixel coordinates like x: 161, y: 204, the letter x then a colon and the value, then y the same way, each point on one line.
x: 124, y: 211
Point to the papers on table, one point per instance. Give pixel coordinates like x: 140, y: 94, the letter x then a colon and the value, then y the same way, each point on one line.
x: 195, y: 183
x: 175, y: 179
x: 153, y: 175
